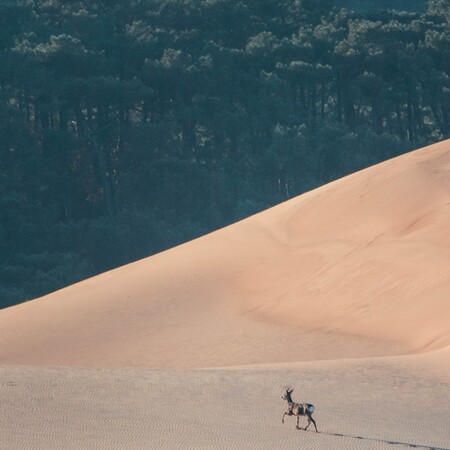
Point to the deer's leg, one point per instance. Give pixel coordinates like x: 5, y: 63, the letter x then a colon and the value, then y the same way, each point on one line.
x: 309, y: 423
x: 298, y: 428
x: 313, y: 421
x: 282, y: 420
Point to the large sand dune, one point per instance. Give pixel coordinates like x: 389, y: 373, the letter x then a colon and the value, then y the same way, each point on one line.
x: 366, y: 259
x: 359, y: 268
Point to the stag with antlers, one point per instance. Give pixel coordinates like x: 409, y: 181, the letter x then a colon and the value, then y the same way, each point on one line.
x: 298, y: 409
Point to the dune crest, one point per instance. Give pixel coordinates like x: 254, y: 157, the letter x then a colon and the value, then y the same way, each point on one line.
x: 359, y: 267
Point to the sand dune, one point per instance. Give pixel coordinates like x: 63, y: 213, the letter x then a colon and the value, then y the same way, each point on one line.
x: 358, y: 267
x: 342, y: 292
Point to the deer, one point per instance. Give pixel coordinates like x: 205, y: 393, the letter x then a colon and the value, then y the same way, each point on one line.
x: 298, y: 409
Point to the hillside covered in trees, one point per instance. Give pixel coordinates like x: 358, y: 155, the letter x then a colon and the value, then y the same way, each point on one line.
x: 127, y: 127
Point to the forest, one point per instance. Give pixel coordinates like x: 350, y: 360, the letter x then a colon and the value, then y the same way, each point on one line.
x: 128, y: 127
x: 377, y: 5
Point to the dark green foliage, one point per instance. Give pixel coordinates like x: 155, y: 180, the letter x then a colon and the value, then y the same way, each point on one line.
x: 127, y: 127
x: 378, y: 5
x: 439, y: 7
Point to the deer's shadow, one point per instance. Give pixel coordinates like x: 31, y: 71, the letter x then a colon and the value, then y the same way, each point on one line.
x: 386, y: 441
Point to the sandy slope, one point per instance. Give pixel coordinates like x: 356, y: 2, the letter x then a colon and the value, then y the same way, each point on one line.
x: 357, y: 268
x: 367, y: 255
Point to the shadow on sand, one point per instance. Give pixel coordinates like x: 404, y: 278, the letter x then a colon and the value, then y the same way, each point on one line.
x: 391, y: 442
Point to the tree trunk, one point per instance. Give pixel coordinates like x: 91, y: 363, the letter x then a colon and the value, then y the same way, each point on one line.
x: 401, y: 130
x: 103, y: 172
x: 322, y: 101
x: 409, y: 111
x: 313, y: 105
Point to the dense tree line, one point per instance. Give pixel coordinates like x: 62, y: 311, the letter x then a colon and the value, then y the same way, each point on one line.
x: 130, y: 126
x: 376, y: 5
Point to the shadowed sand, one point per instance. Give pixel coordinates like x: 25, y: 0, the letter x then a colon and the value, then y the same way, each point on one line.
x: 359, y: 268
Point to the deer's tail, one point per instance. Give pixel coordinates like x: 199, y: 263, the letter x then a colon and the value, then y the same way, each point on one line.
x: 311, y: 409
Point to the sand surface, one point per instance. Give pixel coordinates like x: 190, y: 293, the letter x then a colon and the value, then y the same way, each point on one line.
x: 342, y: 292
x: 360, y: 404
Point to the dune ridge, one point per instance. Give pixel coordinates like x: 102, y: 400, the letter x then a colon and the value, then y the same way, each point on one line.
x: 358, y: 267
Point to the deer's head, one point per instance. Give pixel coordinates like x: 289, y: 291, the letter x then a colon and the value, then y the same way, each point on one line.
x: 287, y: 395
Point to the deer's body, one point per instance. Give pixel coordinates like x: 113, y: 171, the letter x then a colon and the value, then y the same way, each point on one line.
x: 299, y: 409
